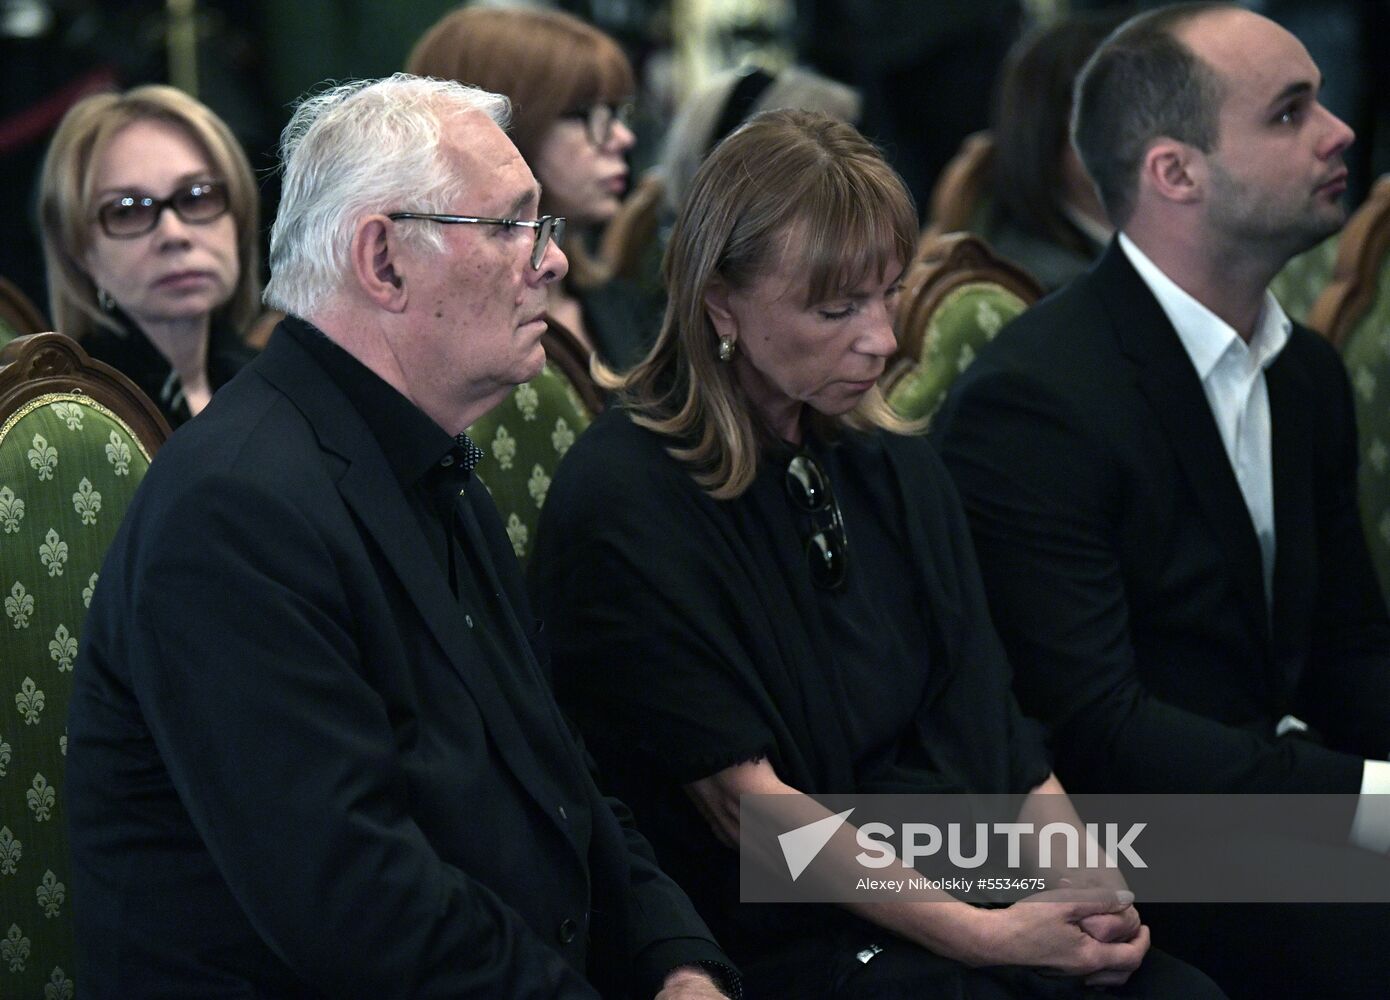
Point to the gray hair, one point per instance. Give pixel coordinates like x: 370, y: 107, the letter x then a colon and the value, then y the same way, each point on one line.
x: 1143, y: 84
x: 689, y: 141
x: 354, y: 149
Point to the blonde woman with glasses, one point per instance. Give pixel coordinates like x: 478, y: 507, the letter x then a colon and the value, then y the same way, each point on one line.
x: 149, y: 216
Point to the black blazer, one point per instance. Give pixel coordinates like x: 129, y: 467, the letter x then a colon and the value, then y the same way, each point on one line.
x: 1123, y: 569
x: 293, y: 771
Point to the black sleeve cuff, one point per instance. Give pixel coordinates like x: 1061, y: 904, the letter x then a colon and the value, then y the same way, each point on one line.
x: 726, y: 977
x: 661, y: 959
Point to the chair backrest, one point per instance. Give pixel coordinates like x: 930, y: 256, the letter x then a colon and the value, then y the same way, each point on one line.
x: 957, y: 294
x: 1355, y: 285
x: 1356, y: 312
x: 631, y: 235
x: 76, y: 437
x: 1304, y: 279
x: 525, y: 437
x: 960, y: 197
x: 18, y: 315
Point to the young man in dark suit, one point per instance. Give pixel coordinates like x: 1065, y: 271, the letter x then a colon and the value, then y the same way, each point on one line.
x: 312, y: 749
x: 1160, y: 468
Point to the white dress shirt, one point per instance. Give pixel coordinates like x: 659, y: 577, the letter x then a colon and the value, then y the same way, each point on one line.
x: 1233, y: 377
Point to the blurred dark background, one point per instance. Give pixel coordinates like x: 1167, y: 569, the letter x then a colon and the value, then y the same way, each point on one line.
x: 926, y: 68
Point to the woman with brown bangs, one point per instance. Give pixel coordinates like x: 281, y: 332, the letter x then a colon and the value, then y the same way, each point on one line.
x: 756, y: 583
x: 570, y: 87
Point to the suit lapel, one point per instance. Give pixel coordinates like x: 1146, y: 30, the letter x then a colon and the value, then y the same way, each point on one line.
x: 369, y: 488
x: 502, y: 574
x: 1170, y: 383
x: 1294, y: 514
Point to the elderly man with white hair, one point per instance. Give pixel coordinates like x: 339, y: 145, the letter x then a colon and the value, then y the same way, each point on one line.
x: 312, y: 749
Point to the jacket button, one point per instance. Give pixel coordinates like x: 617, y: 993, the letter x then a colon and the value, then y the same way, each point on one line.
x: 564, y: 816
x: 568, y: 928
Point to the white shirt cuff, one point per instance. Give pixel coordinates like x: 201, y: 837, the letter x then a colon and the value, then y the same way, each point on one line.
x: 1370, y: 827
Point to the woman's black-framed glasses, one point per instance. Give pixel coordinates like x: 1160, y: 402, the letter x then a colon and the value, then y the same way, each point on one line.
x: 547, y: 227
x: 599, y: 119
x: 133, y: 215
x: 827, y: 548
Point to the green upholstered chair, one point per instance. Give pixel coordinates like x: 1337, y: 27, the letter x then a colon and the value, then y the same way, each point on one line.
x: 960, y: 200
x: 1354, y: 313
x: 1304, y: 279
x: 525, y: 437
x: 75, y: 440
x: 957, y: 295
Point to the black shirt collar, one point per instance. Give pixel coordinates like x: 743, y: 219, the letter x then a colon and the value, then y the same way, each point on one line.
x: 414, y: 444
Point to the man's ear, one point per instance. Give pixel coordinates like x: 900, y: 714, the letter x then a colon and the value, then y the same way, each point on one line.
x: 1174, y: 171
x: 717, y: 306
x: 376, y: 263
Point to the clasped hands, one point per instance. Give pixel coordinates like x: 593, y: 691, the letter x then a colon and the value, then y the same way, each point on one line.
x: 1093, y: 933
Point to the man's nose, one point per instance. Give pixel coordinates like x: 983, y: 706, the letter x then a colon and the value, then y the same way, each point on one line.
x: 554, y: 265
x: 1339, y: 136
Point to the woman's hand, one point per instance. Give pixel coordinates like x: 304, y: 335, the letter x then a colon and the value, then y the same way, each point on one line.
x: 1095, y: 935
x: 1107, y: 927
x: 1093, y: 932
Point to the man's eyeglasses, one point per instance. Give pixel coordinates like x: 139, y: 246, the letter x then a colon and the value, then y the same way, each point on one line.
x: 827, y: 549
x: 133, y: 215
x: 599, y: 119
x: 547, y: 227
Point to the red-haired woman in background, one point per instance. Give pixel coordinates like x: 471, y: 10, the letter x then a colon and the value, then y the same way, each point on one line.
x: 570, y: 85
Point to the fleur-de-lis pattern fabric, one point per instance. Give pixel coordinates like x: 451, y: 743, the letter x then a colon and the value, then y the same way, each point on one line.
x: 523, y: 441
x: 968, y: 318
x: 68, y: 470
x: 1366, y: 352
x: 14, y: 950
x: 43, y: 457
x: 59, y: 986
